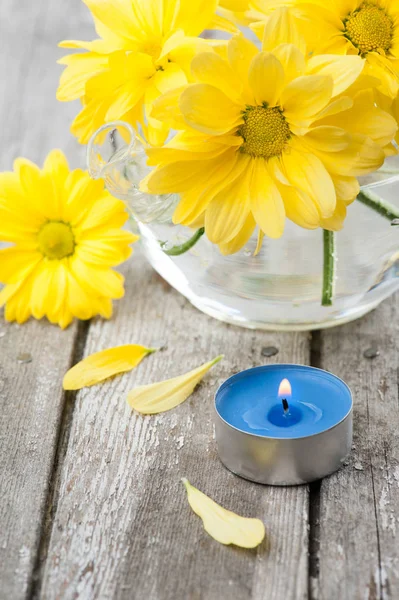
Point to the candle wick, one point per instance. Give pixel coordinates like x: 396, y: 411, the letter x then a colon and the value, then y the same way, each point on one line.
x: 286, y: 407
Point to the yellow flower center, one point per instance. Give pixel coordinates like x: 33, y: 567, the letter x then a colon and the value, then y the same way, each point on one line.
x: 265, y: 131
x: 369, y: 28
x: 56, y: 240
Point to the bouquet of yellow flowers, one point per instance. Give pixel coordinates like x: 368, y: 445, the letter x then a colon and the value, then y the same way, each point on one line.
x: 247, y: 134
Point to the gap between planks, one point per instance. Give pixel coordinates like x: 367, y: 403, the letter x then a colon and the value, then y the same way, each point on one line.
x: 314, y: 493
x: 50, y: 509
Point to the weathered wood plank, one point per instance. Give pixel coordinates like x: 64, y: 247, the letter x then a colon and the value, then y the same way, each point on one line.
x: 359, y: 510
x: 31, y: 399
x: 123, y: 528
x: 31, y: 402
x: 32, y: 120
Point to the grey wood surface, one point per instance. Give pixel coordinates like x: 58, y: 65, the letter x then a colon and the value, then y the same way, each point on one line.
x: 359, y: 506
x: 91, y: 504
x: 31, y: 398
x: 31, y: 407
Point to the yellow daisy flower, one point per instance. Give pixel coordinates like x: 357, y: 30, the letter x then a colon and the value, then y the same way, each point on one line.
x: 66, y: 235
x: 145, y: 50
x: 261, y: 139
x: 368, y: 28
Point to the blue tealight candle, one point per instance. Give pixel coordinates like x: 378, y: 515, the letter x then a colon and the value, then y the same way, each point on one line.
x: 283, y: 424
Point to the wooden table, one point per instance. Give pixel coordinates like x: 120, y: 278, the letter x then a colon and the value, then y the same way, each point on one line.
x: 91, y: 504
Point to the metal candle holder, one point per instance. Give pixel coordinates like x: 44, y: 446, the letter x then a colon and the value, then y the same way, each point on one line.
x: 288, y: 461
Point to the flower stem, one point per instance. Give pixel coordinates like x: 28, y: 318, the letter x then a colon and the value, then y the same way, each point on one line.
x: 329, y: 267
x: 177, y: 250
x: 385, y: 209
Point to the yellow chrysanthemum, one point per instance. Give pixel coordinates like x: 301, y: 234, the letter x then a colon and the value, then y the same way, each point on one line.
x: 145, y: 50
x: 368, y: 28
x: 262, y: 139
x: 66, y: 235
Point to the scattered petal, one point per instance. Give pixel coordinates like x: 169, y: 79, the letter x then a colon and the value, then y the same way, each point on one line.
x: 164, y: 395
x: 223, y: 525
x: 104, y: 364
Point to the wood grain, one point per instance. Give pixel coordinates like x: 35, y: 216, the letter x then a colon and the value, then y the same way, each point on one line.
x: 31, y: 403
x: 32, y: 121
x: 123, y: 528
x: 359, y: 506
x: 31, y: 399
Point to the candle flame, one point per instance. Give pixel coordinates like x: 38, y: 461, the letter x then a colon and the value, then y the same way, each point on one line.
x: 284, y: 391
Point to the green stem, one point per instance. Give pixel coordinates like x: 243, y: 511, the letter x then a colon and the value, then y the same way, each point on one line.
x: 177, y: 250
x: 329, y: 267
x: 385, y: 209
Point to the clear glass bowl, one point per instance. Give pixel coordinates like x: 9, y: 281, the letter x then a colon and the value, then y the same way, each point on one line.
x: 281, y: 287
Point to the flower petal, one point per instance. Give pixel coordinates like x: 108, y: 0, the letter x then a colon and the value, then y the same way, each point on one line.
x: 240, y: 239
x: 124, y: 99
x: 292, y: 60
x: 79, y: 194
x: 56, y: 165
x: 160, y: 397
x: 259, y: 243
x: 222, y: 24
x: 281, y: 28
x: 266, y: 78
x: 228, y: 211
x: 336, y: 106
x: 209, y: 67
x: 180, y: 50
x: 37, y: 185
x: 327, y: 138
x: 299, y: 207
x: 347, y: 188
x: 16, y: 263
x: 380, y: 67
x: 343, y: 69
x: 366, y: 118
x: 80, y: 68
x: 42, y: 288
x: 7, y: 293
x: 225, y: 169
x: 104, y: 364
x: 266, y: 202
x: 223, y: 525
x: 336, y: 221
x: 90, y: 118
x: 361, y: 157
x: 100, y: 281
x: 194, y: 16
x: 166, y: 109
x: 240, y: 52
x: 109, y: 253
x: 306, y: 96
x: 170, y: 78
x: 116, y: 16
x: 306, y: 172
x: 208, y: 109
x: 174, y: 178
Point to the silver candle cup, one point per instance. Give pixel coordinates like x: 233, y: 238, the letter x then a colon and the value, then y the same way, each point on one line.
x: 283, y: 461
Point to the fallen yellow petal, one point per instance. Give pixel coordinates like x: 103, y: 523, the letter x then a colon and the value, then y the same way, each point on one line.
x: 164, y: 395
x: 223, y: 525
x: 104, y: 364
